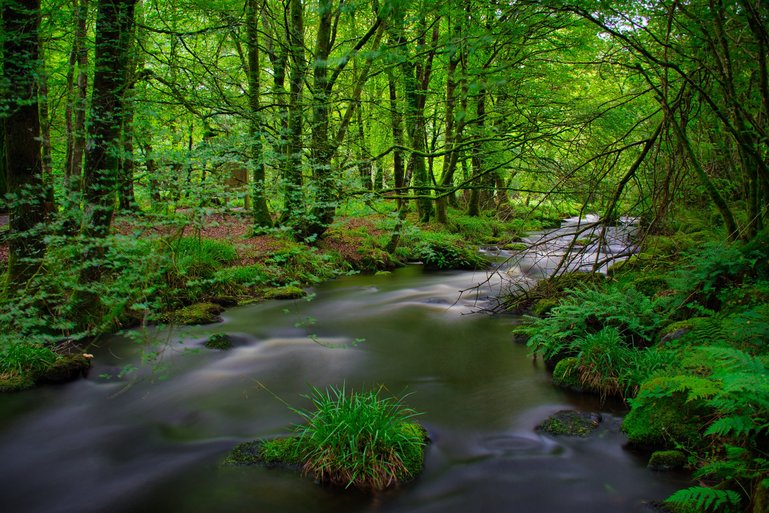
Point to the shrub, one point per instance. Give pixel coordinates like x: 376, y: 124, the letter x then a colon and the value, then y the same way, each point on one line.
x: 440, y: 251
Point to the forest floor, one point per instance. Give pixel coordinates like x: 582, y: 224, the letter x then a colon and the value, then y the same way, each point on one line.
x: 232, y: 227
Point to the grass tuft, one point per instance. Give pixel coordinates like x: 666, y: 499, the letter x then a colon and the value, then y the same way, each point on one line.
x: 360, y: 439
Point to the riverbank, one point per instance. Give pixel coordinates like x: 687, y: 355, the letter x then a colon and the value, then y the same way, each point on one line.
x: 678, y: 331
x: 186, y: 267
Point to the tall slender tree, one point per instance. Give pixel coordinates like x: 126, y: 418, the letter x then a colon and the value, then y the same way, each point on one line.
x: 114, y: 23
x: 259, y: 207
x: 23, y: 153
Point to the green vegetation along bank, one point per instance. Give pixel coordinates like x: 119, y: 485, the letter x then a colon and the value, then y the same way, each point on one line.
x: 680, y: 332
x: 188, y: 267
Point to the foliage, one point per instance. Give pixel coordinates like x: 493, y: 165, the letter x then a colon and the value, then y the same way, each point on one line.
x: 546, y: 293
x: 20, y: 358
x: 706, y: 499
x: 359, y: 439
x: 633, y: 318
x: 442, y: 251
x: 197, y: 257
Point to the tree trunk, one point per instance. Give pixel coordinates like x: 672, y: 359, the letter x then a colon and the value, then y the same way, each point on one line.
x: 416, y: 76
x: 396, y: 121
x: 293, y: 208
x: 474, y: 207
x: 126, y: 194
x: 45, y: 131
x: 453, y: 128
x: 24, y: 170
x: 114, y: 22
x: 260, y: 211
x: 3, y: 172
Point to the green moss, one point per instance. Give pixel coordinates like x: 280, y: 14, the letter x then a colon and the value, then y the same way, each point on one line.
x: 543, y: 306
x: 287, y: 292
x: 246, y: 453
x: 667, y: 460
x: 566, y: 374
x: 516, y: 246
x: 412, y: 455
x: 650, y: 285
x: 571, y: 423
x: 14, y: 382
x: 219, y: 341
x: 283, y: 451
x: 662, y: 422
x: 199, y: 313
x: 760, y: 498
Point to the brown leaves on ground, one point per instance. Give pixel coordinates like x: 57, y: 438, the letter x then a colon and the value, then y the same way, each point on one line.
x: 344, y: 237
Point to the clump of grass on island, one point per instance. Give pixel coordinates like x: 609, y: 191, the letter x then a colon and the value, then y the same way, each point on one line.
x: 360, y: 440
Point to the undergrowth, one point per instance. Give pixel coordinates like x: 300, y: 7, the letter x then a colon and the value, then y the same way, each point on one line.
x: 687, y: 348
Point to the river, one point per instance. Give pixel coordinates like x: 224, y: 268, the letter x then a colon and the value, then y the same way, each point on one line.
x: 152, y: 442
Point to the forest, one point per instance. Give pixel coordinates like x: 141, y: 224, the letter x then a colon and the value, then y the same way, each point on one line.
x: 162, y: 161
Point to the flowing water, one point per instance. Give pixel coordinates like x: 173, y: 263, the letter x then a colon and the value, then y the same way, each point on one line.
x: 153, y: 441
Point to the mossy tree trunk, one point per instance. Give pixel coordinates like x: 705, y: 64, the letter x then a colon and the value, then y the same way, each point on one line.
x: 416, y: 79
x: 260, y: 211
x: 77, y: 105
x: 293, y: 202
x: 23, y: 162
x: 474, y: 206
x: 114, y: 22
x: 454, y: 128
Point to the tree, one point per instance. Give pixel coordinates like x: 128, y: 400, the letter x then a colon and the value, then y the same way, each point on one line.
x: 23, y: 153
x: 260, y: 211
x: 114, y: 24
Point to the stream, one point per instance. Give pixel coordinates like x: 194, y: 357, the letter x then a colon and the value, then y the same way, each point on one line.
x: 152, y: 442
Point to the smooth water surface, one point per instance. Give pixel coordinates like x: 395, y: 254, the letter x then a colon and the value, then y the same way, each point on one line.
x: 152, y: 442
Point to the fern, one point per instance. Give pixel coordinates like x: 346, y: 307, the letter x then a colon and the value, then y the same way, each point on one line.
x: 734, y: 426
x: 589, y: 311
x: 706, y: 499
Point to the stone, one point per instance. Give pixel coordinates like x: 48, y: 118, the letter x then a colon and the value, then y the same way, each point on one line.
x: 571, y: 423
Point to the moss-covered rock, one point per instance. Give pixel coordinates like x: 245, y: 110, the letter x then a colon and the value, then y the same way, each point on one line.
x: 543, y: 306
x: 662, y: 422
x: 681, y: 330
x: 66, y: 368
x: 13, y: 382
x: 516, y: 246
x: 225, y: 301
x: 220, y: 341
x: 293, y: 452
x: 246, y: 453
x: 288, y: 292
x: 566, y: 374
x: 199, y: 313
x: 571, y: 423
x: 667, y: 460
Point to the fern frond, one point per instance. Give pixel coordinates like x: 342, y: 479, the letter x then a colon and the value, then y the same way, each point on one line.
x: 705, y: 499
x: 736, y: 426
x: 734, y: 359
